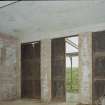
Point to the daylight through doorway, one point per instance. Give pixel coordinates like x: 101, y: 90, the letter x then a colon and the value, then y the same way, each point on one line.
x: 72, y: 69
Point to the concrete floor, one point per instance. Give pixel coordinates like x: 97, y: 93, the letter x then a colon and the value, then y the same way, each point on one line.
x: 31, y: 102
x: 71, y: 100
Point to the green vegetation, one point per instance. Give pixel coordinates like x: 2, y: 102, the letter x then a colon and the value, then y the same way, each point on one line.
x: 72, y: 85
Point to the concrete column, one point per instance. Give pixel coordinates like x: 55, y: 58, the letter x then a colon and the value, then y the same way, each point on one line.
x: 46, y: 70
x: 9, y: 69
x: 18, y: 69
x: 85, y: 60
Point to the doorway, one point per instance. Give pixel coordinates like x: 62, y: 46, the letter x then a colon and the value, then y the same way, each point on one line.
x: 98, y: 73
x: 58, y: 69
x: 72, y: 68
x: 65, y: 69
x: 30, y: 70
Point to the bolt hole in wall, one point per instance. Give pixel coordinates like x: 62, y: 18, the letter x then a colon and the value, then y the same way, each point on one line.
x: 72, y: 69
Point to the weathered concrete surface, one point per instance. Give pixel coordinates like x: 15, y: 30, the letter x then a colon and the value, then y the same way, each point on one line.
x: 30, y: 102
x: 51, y: 19
x: 72, y: 98
x: 85, y: 61
x: 9, y: 68
x: 45, y: 70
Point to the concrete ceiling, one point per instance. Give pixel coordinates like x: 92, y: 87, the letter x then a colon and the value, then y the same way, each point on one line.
x: 35, y: 20
x: 3, y: 3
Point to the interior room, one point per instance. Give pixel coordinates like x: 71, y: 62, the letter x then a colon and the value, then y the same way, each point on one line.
x: 52, y: 52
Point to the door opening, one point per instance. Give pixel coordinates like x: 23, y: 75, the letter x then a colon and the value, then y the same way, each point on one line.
x: 65, y: 69
x: 72, y: 69
x: 30, y: 70
x: 58, y: 69
x: 98, y: 73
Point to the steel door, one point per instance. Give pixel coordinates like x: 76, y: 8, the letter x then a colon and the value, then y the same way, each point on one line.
x: 98, y: 65
x: 30, y: 66
x: 58, y: 69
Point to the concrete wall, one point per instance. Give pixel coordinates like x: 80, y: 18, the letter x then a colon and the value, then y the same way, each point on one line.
x: 85, y: 54
x: 10, y: 75
x: 46, y: 70
x: 9, y: 68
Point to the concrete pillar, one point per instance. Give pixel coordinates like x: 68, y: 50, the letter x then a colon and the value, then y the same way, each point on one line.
x: 18, y: 69
x: 46, y: 70
x: 9, y: 69
x: 85, y: 60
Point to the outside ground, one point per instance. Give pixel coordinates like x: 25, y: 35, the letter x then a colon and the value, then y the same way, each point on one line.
x: 72, y: 84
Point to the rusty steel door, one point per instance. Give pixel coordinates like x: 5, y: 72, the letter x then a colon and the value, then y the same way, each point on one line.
x: 98, y: 39
x: 30, y: 66
x: 58, y: 69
